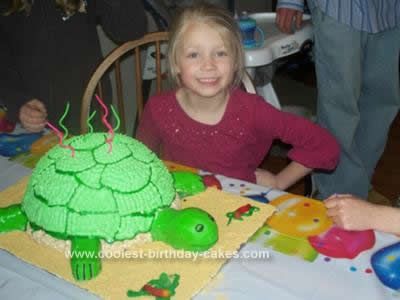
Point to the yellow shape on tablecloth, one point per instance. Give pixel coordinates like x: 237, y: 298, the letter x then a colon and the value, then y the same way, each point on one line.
x: 299, y: 216
x: 44, y: 144
x: 119, y: 275
x: 173, y: 166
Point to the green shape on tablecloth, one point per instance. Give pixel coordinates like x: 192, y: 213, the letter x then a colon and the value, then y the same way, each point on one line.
x: 291, y: 245
x: 161, y: 288
x: 265, y: 230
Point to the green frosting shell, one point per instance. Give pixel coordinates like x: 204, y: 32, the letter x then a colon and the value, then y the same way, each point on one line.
x: 97, y: 193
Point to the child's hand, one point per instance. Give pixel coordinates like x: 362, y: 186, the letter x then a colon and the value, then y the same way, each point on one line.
x: 350, y: 212
x: 33, y: 115
x: 266, y: 178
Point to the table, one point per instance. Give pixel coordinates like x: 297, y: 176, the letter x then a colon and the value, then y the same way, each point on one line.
x: 276, y: 45
x: 280, y: 276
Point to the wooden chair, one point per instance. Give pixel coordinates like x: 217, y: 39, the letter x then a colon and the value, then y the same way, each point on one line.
x: 248, y: 84
x: 113, y: 62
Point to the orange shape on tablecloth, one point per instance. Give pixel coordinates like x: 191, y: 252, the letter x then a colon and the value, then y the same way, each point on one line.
x: 299, y: 216
x: 42, y: 145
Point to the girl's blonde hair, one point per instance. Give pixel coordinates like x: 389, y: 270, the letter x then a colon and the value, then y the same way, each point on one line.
x: 69, y: 7
x: 220, y: 20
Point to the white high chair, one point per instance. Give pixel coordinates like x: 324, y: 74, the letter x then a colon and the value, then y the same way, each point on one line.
x: 276, y: 45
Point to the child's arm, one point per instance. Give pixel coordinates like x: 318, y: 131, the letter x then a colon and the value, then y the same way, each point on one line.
x: 291, y: 174
x: 312, y: 145
x: 285, y: 178
x: 352, y: 213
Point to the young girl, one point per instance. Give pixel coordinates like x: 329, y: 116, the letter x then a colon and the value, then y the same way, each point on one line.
x: 209, y: 123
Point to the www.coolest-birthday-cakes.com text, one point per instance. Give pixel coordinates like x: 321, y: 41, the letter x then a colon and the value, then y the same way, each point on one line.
x: 173, y: 254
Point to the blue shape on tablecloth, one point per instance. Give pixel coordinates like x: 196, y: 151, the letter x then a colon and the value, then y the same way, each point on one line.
x: 262, y: 197
x: 13, y: 144
x: 386, y: 264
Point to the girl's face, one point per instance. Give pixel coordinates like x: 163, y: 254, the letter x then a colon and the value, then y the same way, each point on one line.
x: 204, y: 64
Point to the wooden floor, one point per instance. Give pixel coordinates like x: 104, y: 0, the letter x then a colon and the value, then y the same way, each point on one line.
x: 386, y: 179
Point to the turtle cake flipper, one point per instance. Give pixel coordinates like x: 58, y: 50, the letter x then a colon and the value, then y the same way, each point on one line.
x: 85, y: 261
x: 12, y: 218
x: 85, y: 258
x: 187, y: 183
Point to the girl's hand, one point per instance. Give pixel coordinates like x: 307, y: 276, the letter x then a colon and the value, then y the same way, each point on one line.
x: 33, y: 115
x: 350, y: 212
x: 266, y: 178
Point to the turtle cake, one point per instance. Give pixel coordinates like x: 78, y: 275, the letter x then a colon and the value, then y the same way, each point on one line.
x: 93, y: 189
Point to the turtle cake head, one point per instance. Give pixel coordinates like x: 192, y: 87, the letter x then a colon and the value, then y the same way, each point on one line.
x: 191, y: 229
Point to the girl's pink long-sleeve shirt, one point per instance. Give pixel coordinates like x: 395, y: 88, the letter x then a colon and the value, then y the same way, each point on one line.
x: 236, y: 145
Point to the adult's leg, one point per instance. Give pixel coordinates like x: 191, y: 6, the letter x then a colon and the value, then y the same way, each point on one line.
x: 338, y: 59
x: 379, y: 100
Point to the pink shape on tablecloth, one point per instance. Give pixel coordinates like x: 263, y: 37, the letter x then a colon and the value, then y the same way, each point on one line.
x: 340, y: 243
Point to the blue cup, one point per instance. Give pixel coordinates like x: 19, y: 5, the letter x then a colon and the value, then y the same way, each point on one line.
x: 248, y: 28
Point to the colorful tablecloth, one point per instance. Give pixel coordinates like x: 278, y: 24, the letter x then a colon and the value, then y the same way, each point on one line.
x: 303, y: 262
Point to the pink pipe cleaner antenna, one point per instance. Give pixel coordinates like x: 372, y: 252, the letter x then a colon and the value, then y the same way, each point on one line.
x: 106, y: 123
x: 60, y: 139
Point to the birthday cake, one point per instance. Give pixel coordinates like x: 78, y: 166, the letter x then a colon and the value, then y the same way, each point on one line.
x: 101, y: 190
x: 92, y: 188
